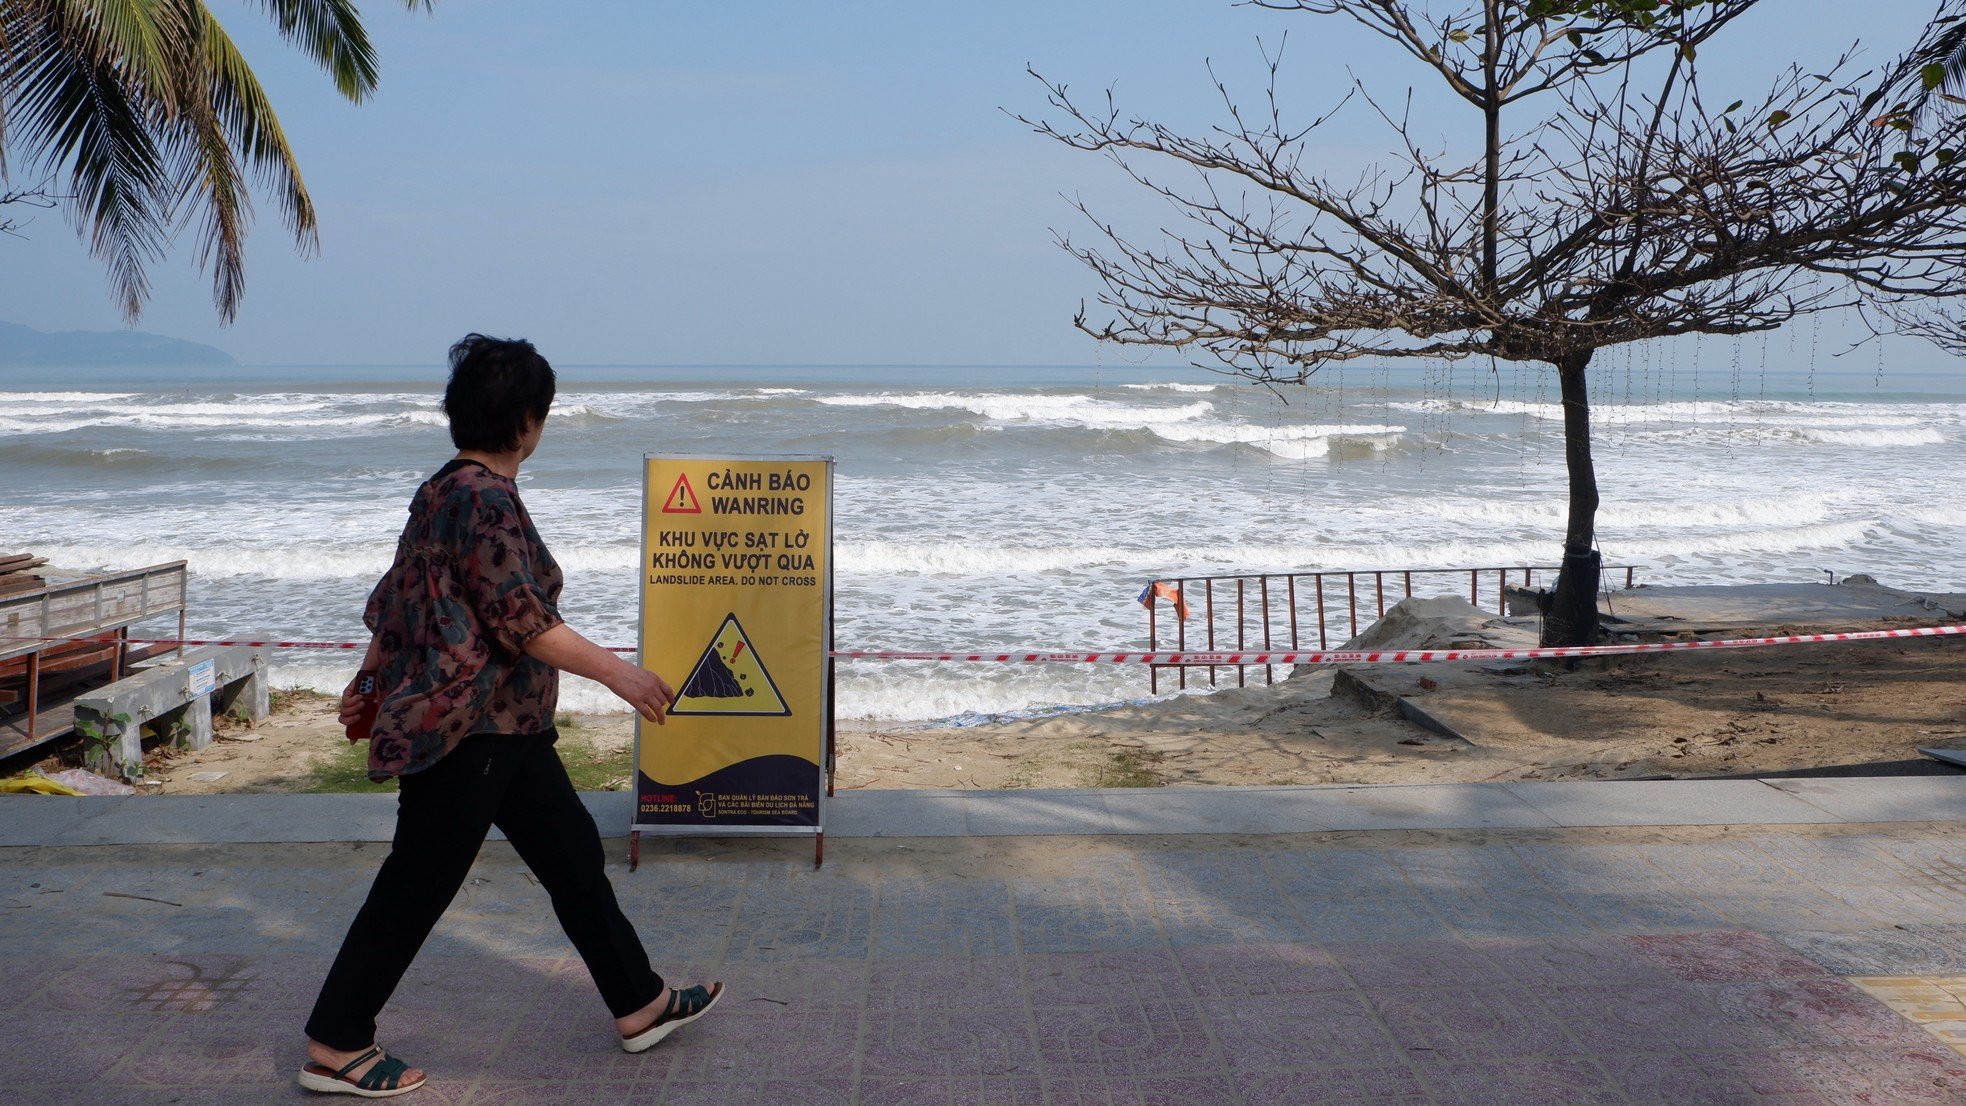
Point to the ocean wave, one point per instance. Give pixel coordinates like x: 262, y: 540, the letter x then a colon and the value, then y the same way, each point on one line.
x: 10, y: 398
x: 1080, y: 410
x: 1287, y: 439
x: 1874, y: 439
x: 1743, y: 414
x: 1172, y: 386
x: 168, y: 419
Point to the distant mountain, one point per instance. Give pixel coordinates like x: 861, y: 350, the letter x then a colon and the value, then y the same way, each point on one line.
x: 21, y: 345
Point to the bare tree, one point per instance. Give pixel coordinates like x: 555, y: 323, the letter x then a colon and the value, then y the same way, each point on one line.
x: 36, y: 196
x: 1607, y: 202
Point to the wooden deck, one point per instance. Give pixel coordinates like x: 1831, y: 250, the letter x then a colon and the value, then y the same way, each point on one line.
x: 94, y: 606
x: 51, y: 723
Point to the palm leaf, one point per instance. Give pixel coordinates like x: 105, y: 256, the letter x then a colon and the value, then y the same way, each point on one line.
x: 157, y: 120
x: 77, y: 106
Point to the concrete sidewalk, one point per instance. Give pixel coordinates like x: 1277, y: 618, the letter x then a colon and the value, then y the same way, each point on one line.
x: 250, y: 819
x: 1712, y: 942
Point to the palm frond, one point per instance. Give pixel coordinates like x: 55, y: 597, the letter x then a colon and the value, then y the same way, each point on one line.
x: 88, y: 115
x: 331, y: 33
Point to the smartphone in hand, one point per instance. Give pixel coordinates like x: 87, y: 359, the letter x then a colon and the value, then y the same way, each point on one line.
x: 368, y: 691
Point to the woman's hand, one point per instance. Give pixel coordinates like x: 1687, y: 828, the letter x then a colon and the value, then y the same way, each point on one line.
x: 648, y: 693
x: 351, y: 704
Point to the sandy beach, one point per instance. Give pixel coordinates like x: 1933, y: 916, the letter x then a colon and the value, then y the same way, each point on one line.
x: 1681, y: 715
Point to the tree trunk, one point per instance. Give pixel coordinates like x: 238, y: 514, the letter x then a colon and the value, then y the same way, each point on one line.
x: 1571, y: 618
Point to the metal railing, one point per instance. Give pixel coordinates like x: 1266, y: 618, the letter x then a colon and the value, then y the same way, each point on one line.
x: 1289, y: 605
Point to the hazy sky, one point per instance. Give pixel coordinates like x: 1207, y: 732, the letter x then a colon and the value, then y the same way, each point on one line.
x: 644, y: 181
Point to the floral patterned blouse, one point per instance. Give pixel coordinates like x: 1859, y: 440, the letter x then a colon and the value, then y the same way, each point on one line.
x: 472, y: 583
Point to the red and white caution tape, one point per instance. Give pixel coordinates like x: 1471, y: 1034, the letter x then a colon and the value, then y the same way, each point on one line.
x: 1315, y: 656
x: 174, y: 642
x: 1403, y: 656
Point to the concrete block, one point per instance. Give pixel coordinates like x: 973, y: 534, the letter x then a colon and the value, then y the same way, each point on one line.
x: 891, y: 813
x: 173, y: 699
x: 1036, y: 813
x: 41, y: 819
x: 1423, y: 806
x: 235, y: 819
x: 1882, y: 798
x: 1668, y: 803
x: 1171, y: 810
x: 613, y: 811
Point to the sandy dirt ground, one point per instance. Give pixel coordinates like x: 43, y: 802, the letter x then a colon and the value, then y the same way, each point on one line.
x: 1679, y: 715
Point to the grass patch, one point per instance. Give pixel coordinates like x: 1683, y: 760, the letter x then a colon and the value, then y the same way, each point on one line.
x: 345, y: 769
x: 1130, y: 768
x: 589, y: 766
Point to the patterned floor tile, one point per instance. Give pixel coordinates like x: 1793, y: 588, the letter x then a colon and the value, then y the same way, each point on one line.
x: 1144, y: 975
x: 774, y: 1045
x: 1893, y: 951
x: 1724, y: 957
x: 983, y: 983
x: 1375, y: 964
x: 1156, y: 1039
x: 1467, y: 1025
x: 1241, y: 971
x: 962, y: 1044
x: 1389, y: 1086
x: 1646, y: 1018
x: 1936, y: 1004
x: 1524, y: 1083
x: 1128, y: 1092
x: 921, y: 918
x: 1799, y: 1013
x: 681, y: 1092
x: 1103, y: 907
x: 1014, y: 1091
x: 1331, y: 1029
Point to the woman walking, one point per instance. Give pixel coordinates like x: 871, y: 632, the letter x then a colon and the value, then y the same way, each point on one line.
x: 467, y: 649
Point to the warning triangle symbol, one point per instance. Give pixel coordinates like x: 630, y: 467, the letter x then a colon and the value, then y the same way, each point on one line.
x: 682, y: 499
x: 730, y: 678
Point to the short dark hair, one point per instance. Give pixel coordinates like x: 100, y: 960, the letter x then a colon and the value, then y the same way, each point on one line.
x: 496, y: 385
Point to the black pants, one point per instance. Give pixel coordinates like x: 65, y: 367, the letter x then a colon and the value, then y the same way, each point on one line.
x: 442, y: 815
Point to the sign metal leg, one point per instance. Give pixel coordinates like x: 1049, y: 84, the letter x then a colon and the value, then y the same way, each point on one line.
x: 634, y: 848
x: 818, y: 849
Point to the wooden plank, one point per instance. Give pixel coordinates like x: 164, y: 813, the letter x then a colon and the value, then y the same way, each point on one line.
x: 52, y: 723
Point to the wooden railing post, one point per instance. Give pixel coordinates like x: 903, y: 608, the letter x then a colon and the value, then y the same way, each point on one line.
x: 1323, y: 641
x: 1269, y: 675
x: 1292, y: 588
x: 1181, y: 630
x: 1208, y: 594
x: 1241, y: 622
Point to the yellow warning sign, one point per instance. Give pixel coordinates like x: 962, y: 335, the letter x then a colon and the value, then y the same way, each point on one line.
x: 736, y: 597
x: 682, y: 499
x: 729, y: 678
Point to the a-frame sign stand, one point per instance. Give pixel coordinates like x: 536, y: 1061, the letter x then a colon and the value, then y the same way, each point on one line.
x: 737, y: 551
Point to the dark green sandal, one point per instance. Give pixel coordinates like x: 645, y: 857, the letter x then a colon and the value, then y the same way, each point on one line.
x: 384, y: 1080
x: 685, y: 1006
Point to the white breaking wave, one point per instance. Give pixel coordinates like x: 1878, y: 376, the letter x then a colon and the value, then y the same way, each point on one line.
x: 9, y: 398
x: 1286, y: 440
x: 1067, y: 410
x: 1172, y: 386
x: 1876, y: 439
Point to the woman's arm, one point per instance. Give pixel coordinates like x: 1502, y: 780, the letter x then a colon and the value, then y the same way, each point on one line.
x: 567, y: 651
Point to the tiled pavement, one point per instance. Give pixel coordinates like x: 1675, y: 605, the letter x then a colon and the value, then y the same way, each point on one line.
x: 1562, y: 966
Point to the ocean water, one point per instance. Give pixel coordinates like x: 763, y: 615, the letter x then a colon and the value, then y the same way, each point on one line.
x: 989, y: 509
